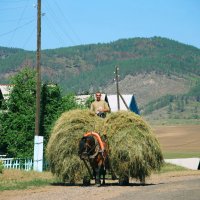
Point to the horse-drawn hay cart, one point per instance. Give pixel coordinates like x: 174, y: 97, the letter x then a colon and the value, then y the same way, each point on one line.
x: 134, y: 151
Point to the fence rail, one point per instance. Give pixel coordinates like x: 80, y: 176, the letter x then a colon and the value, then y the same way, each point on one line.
x: 12, y: 163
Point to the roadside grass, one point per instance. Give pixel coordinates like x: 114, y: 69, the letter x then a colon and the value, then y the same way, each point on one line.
x: 12, y: 179
x: 21, y: 180
x: 171, y: 168
x: 174, y: 122
x: 171, y: 155
x: 167, y: 167
x: 21, y: 185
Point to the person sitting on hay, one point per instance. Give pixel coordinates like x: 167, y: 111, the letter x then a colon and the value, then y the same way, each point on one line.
x: 99, y: 107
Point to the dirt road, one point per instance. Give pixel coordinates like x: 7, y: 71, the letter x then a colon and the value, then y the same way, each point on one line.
x: 180, y: 189
x: 176, y: 186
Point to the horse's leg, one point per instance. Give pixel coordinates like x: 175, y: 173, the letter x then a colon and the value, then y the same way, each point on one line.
x: 86, y: 180
x: 97, y: 179
x: 104, y: 174
x: 142, y: 180
x: 94, y: 173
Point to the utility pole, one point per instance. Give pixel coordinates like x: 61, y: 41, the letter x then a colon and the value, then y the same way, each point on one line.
x: 38, y: 71
x: 117, y: 85
x: 38, y: 140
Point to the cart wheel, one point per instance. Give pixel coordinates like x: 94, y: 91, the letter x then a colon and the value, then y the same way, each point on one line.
x: 142, y: 180
x: 124, y: 180
x: 86, y: 181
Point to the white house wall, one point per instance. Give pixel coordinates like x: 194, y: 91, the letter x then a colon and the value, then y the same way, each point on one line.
x: 112, y: 100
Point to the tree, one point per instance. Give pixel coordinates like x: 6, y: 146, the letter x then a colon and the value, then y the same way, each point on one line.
x: 89, y: 101
x: 51, y: 108
x: 69, y: 102
x: 17, y: 127
x: 169, y: 110
x: 18, y: 122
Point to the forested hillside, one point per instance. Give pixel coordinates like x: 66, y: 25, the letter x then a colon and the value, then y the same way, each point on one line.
x: 145, y: 65
x: 77, y: 68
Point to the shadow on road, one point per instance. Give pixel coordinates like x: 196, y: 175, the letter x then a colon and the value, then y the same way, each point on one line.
x: 106, y: 185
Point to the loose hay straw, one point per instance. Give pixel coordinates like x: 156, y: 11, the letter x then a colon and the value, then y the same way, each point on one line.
x: 62, y: 148
x: 134, y: 150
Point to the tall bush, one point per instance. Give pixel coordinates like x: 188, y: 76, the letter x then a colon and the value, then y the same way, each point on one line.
x: 17, y: 123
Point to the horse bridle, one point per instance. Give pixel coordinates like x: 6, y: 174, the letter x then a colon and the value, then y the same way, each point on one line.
x: 91, y: 149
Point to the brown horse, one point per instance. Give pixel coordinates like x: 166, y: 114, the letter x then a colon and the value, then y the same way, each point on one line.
x: 90, y: 150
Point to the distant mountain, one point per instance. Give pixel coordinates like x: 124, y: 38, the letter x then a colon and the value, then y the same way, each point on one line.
x: 151, y: 68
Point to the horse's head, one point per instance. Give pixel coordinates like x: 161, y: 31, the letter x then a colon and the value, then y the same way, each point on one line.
x: 86, y: 147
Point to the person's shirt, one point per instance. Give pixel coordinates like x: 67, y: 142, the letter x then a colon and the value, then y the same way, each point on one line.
x: 99, y: 106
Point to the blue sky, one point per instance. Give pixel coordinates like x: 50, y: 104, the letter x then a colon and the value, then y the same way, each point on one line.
x: 74, y: 22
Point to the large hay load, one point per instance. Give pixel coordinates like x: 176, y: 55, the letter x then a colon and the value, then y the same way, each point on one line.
x: 62, y: 148
x: 134, y: 150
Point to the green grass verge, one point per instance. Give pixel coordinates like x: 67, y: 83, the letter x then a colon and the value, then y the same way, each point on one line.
x: 174, y: 122
x: 21, y: 185
x: 171, y: 155
x: 170, y: 168
x: 18, y: 184
x: 14, y: 179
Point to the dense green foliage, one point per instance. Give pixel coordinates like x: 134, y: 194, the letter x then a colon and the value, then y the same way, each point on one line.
x: 18, y: 121
x: 1, y: 167
x: 159, y: 103
x: 51, y: 102
x: 17, y: 128
x: 195, y: 92
x: 52, y: 106
x: 89, y: 101
x: 11, y: 59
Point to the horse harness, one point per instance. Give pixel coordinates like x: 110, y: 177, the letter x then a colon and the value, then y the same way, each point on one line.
x: 99, y: 146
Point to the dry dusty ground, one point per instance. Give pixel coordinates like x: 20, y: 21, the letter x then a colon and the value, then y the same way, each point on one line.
x: 174, y: 185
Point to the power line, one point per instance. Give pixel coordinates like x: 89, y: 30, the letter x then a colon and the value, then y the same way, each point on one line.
x: 53, y: 30
x: 6, y: 33
x: 28, y: 38
x: 67, y: 22
x: 19, y: 20
x: 55, y: 17
x: 11, y: 8
x: 13, y: 1
x: 14, y: 20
